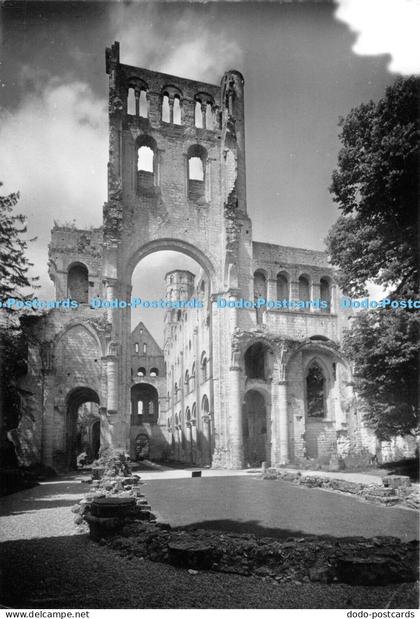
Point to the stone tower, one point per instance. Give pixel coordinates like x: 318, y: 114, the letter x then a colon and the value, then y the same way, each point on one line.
x: 176, y: 181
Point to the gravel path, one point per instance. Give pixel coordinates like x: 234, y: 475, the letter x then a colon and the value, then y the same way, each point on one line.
x: 45, y: 564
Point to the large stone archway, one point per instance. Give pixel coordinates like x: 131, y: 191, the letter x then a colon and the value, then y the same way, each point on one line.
x: 75, y: 398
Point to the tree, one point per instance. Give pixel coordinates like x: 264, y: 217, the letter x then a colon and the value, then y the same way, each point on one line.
x: 14, y: 268
x: 14, y: 265
x: 376, y: 186
x: 384, y: 345
x: 375, y: 239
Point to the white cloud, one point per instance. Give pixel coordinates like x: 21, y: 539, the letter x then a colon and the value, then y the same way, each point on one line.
x: 385, y: 27
x: 187, y: 46
x: 54, y: 151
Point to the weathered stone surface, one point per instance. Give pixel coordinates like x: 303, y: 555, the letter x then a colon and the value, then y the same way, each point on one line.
x: 378, y: 570
x: 191, y: 554
x: 396, y: 481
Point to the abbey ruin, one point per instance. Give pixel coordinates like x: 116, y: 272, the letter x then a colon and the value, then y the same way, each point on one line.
x: 231, y: 387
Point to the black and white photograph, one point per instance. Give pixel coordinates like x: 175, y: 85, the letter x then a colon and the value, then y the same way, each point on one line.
x: 209, y: 306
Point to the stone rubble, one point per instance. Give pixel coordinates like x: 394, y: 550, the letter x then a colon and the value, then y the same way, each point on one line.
x: 357, y: 560
x: 115, y: 499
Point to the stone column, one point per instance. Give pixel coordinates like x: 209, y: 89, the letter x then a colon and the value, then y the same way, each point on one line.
x: 171, y: 110
x: 194, y: 440
x: 315, y: 294
x: 137, y: 97
x: 110, y: 290
x: 112, y: 382
x: 280, y: 442
x: 189, y: 441
x: 203, y: 114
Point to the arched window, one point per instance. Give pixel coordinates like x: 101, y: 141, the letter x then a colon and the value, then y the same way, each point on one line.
x: 146, y: 163
x: 194, y: 411
x: 144, y: 349
x: 197, y: 158
x: 187, y: 381
x: 177, y: 110
x: 315, y: 391
x: 141, y: 371
x: 136, y: 347
x: 193, y: 377
x: 154, y: 372
x: 198, y: 116
x: 143, y: 107
x: 260, y: 291
x: 304, y: 291
x: 188, y: 414
x: 282, y: 287
x: 255, y: 361
x: 131, y: 102
x: 204, y: 368
x: 144, y: 403
x: 325, y: 293
x: 205, y: 408
x: 78, y: 283
x: 166, y: 118
x: 260, y: 285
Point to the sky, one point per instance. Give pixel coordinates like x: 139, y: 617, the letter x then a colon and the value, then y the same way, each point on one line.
x: 304, y: 67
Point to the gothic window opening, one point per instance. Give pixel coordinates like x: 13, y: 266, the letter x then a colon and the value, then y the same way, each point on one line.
x: 193, y: 377
x: 282, y: 287
x: 195, y: 169
x: 146, y: 163
x: 304, y: 291
x: 136, y: 347
x: 131, y: 102
x: 144, y: 349
x: 198, y: 116
x: 197, y: 159
x: 177, y: 111
x: 154, y: 372
x: 78, y: 283
x: 144, y: 404
x: 204, y: 367
x: 166, y: 116
x: 255, y: 361
x: 143, y: 107
x: 260, y: 291
x: 141, y: 372
x: 315, y: 392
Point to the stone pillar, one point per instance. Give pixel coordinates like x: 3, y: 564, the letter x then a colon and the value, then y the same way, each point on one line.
x: 234, y: 409
x: 110, y: 286
x: 280, y: 439
x: 171, y: 110
x: 234, y: 404
x: 189, y: 441
x: 194, y: 441
x: 315, y: 294
x: 203, y: 114
x: 137, y: 97
x: 112, y: 382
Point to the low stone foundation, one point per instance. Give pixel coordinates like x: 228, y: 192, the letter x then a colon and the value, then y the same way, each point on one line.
x: 390, y: 490
x: 361, y: 561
